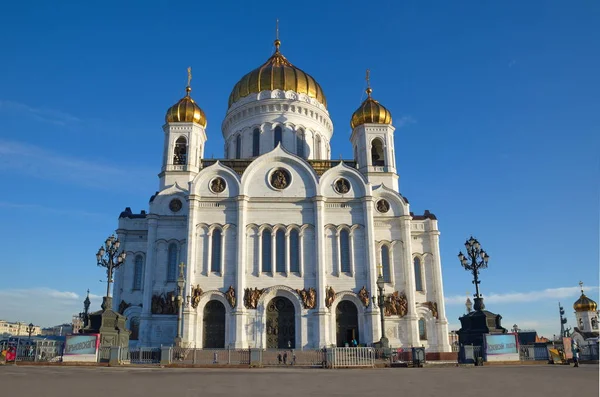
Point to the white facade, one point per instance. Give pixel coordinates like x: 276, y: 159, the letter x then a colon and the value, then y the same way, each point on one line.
x: 234, y: 221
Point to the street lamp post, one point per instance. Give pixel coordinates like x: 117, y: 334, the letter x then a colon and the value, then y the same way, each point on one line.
x: 108, y: 257
x: 475, y: 260
x: 180, y: 303
x: 30, y: 329
x: 380, y: 302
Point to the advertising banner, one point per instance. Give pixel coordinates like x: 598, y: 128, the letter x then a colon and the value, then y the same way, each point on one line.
x: 567, y: 348
x: 82, y: 348
x: 502, y: 347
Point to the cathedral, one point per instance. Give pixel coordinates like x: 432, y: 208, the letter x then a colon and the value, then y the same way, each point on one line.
x: 276, y: 244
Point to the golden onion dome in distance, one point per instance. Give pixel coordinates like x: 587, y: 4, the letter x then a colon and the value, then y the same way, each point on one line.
x: 584, y: 304
x: 186, y: 110
x: 370, y: 111
x: 277, y: 73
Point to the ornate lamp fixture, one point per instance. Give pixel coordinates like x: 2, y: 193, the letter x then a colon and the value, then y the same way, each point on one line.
x: 108, y: 256
x: 475, y: 260
x: 380, y: 302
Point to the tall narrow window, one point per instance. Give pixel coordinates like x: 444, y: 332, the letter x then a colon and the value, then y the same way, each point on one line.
x: 300, y: 143
x: 377, y: 157
x: 278, y: 136
x: 318, y: 147
x: 215, y: 265
x: 255, y: 142
x: 238, y: 147
x: 266, y: 251
x: 138, y: 270
x: 280, y: 251
x: 180, y: 152
x: 345, y: 251
x: 418, y: 275
x: 356, y: 155
x: 134, y: 327
x: 385, y: 263
x: 294, y: 251
x: 172, y: 264
x: 422, y: 329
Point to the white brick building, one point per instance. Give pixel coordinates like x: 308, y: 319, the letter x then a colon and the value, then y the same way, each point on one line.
x: 297, y: 238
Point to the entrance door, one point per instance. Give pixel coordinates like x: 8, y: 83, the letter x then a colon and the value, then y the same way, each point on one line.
x: 346, y: 322
x: 214, y: 325
x: 281, y: 324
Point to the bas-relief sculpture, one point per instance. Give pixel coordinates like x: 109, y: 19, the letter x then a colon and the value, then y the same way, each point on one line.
x: 363, y: 295
x: 196, y: 294
x: 309, y: 297
x: 432, y: 306
x: 396, y: 304
x: 329, y: 296
x: 251, y: 297
x: 230, y: 296
x: 164, y: 303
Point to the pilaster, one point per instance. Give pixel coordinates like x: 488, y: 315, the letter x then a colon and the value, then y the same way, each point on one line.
x: 442, y: 322
x: 145, y: 319
x: 373, y: 324
x: 322, y: 312
x: 409, y: 274
x: 239, y: 312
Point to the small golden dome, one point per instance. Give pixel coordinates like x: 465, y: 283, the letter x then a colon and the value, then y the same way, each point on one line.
x: 370, y: 111
x: 585, y: 304
x: 186, y: 111
x: 277, y: 73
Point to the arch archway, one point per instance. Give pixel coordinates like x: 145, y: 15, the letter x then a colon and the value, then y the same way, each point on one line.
x: 214, y: 325
x: 377, y: 155
x: 281, y: 323
x: 346, y: 323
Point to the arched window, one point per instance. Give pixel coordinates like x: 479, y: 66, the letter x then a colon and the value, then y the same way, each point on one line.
x: 345, y: 251
x: 377, y: 157
x: 300, y: 143
x: 238, y: 147
x: 266, y: 251
x: 294, y: 251
x: 280, y: 251
x: 418, y: 274
x: 138, y: 270
x: 255, y: 142
x: 318, y: 147
x: 422, y: 329
x: 215, y: 265
x: 385, y: 263
x: 172, y: 264
x: 278, y: 136
x: 180, y: 153
x: 134, y: 327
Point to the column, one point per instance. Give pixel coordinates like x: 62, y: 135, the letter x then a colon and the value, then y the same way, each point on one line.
x: 322, y: 313
x: 301, y: 248
x: 338, y: 266
x: 146, y: 317
x: 409, y: 274
x: 373, y: 323
x: 287, y: 253
x: 351, y: 243
x: 442, y: 322
x: 239, y: 312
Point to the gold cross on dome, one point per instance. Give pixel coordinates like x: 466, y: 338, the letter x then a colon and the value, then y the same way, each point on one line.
x: 189, y: 75
x: 277, y: 29
x: 581, y: 286
x: 368, y: 78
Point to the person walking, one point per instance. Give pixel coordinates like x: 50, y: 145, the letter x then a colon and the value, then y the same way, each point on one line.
x: 575, y: 351
x: 285, y: 358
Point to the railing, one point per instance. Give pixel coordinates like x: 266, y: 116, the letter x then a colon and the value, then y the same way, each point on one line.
x: 311, y: 357
x: 141, y: 355
x: 470, y: 354
x: 350, y: 357
x: 588, y: 352
x: 532, y: 352
x: 103, y: 354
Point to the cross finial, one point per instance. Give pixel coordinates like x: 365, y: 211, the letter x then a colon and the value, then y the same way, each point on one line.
x: 368, y: 78
x: 189, y: 87
x: 277, y: 41
x: 581, y: 286
x: 181, y: 266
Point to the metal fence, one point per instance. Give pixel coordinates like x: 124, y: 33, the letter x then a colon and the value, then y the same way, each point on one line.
x: 470, y: 354
x: 350, y: 357
x: 533, y: 353
x: 182, y: 355
x: 588, y: 352
x: 141, y: 355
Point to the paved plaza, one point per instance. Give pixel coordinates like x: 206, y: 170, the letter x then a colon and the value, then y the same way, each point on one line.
x: 530, y: 381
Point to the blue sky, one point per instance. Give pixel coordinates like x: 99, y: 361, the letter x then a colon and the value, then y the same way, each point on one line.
x: 496, y: 107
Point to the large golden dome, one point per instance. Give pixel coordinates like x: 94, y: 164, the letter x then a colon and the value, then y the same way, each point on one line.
x: 370, y: 111
x: 277, y: 74
x: 585, y: 304
x: 186, y: 111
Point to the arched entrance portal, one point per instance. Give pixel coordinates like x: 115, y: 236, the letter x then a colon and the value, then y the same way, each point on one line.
x: 214, y: 325
x: 281, y: 324
x: 346, y: 323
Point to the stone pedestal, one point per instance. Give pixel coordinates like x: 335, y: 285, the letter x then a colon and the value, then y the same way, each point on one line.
x: 109, y: 324
x: 476, y: 324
